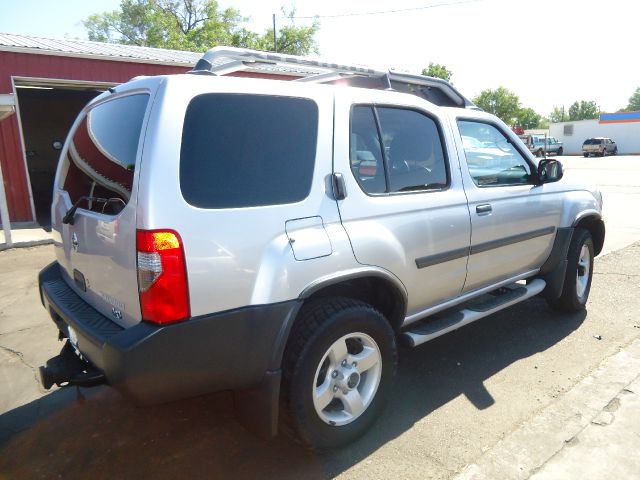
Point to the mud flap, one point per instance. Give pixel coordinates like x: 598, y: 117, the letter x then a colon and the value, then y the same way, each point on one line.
x: 257, y: 409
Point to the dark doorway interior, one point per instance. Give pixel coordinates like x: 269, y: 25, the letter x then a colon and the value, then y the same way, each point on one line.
x: 47, y: 115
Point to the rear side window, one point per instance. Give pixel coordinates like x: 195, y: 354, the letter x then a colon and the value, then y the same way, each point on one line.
x: 396, y: 150
x: 247, y: 150
x: 102, y: 154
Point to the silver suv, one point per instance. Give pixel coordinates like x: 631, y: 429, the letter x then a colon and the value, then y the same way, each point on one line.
x: 278, y: 239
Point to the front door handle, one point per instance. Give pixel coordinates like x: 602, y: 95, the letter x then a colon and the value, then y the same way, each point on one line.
x: 486, y: 208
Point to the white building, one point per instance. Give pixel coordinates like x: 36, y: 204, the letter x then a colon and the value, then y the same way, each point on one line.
x: 622, y: 127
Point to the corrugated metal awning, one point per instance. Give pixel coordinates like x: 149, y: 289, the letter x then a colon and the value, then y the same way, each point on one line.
x: 10, y: 42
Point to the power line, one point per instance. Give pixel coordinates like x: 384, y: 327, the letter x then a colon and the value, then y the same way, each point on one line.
x: 382, y: 12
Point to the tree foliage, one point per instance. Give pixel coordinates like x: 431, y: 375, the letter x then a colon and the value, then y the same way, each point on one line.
x: 558, y: 115
x: 583, y: 110
x: 527, y: 118
x: 194, y: 25
x: 634, y: 102
x: 438, y: 71
x: 502, y: 102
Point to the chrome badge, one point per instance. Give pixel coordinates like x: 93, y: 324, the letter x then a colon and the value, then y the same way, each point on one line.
x: 117, y: 314
x: 74, y: 242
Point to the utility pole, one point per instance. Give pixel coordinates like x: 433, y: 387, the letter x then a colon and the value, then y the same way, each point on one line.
x: 275, y: 45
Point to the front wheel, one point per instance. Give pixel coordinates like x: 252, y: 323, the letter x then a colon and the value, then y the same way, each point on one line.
x: 338, y: 369
x: 560, y: 151
x: 577, y: 280
x: 615, y: 151
x: 585, y: 155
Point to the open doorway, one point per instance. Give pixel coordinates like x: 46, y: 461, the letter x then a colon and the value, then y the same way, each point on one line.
x: 46, y: 115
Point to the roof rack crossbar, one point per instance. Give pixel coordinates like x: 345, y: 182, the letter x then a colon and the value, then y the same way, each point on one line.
x: 318, y: 71
x: 325, y: 77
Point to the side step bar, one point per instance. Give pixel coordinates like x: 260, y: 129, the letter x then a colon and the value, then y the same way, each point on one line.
x: 431, y: 328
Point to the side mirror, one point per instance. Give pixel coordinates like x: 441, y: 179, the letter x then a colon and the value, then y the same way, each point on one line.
x: 549, y: 170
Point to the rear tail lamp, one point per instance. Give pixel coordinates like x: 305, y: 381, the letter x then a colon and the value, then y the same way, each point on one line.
x: 162, y: 276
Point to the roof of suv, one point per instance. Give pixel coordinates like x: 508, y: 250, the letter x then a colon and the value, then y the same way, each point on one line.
x: 224, y: 60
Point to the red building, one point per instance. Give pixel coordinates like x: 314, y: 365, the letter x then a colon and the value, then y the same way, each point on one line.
x: 44, y: 83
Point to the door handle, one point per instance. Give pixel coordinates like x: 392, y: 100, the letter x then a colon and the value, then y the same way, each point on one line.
x: 339, y: 188
x: 486, y: 208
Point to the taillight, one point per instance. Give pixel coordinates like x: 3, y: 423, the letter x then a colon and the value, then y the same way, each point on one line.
x: 162, y: 276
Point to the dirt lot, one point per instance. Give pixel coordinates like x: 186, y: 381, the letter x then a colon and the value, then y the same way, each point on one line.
x: 454, y: 398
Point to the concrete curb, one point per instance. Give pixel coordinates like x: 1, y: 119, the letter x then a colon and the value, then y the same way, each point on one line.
x: 526, y: 450
x: 31, y: 243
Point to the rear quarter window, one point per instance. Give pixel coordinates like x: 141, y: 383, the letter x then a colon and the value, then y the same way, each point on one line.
x: 102, y: 154
x: 247, y: 150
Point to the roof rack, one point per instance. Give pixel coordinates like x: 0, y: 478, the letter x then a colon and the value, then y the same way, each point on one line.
x: 225, y: 60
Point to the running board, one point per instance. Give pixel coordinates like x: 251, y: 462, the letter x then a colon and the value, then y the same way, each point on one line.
x: 504, y: 297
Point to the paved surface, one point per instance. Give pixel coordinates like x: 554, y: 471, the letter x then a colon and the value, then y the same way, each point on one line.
x: 26, y: 237
x: 619, y: 180
x: 459, y: 401
x: 592, y: 432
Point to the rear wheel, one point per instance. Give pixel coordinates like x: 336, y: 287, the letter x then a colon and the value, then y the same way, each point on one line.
x: 585, y: 155
x: 560, y: 151
x: 338, y: 369
x: 577, y: 280
x: 604, y: 152
x: 615, y: 151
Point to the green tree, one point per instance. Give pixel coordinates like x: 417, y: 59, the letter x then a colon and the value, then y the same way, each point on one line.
x: 502, y: 102
x: 290, y: 38
x: 527, y: 118
x: 438, y: 71
x: 583, y: 110
x: 195, y: 25
x: 634, y: 102
x: 558, y: 115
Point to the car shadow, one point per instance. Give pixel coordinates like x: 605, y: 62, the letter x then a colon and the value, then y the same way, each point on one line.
x: 104, y: 436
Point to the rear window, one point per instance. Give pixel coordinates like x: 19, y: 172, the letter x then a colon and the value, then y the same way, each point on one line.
x: 593, y: 141
x: 247, y: 150
x: 102, y: 154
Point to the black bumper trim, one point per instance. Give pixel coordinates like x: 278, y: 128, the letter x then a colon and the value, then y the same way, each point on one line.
x: 150, y: 364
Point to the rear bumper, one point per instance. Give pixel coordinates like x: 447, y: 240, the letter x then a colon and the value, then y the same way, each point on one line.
x: 233, y: 350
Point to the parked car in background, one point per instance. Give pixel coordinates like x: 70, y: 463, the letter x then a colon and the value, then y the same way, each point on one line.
x: 553, y: 145
x: 600, y: 146
x: 541, y: 146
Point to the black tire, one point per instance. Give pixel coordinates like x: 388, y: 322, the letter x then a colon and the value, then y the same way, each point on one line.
x: 540, y: 153
x: 575, y: 291
x: 604, y: 152
x: 560, y: 151
x: 585, y: 155
x: 615, y: 151
x: 321, y: 325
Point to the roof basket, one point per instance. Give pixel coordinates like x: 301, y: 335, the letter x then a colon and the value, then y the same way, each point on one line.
x: 225, y: 60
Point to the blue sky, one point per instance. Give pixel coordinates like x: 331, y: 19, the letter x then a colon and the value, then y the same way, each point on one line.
x: 52, y: 18
x: 549, y: 52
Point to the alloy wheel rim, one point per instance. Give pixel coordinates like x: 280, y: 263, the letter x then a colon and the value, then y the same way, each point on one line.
x: 347, y: 379
x: 582, y: 275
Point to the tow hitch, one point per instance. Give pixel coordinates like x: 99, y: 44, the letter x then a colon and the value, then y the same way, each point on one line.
x: 68, y: 369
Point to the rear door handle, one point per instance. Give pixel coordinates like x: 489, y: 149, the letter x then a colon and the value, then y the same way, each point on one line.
x: 486, y: 208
